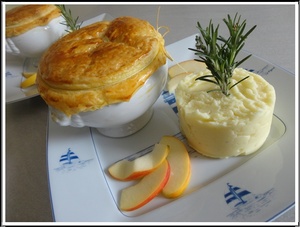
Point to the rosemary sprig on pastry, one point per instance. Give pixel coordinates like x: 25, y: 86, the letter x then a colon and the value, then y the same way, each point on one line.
x: 71, y: 23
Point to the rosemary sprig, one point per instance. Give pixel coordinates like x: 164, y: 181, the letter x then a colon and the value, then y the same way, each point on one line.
x: 219, y: 54
x: 71, y: 23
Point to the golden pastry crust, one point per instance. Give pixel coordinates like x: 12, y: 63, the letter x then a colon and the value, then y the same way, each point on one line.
x: 100, y: 64
x: 24, y: 18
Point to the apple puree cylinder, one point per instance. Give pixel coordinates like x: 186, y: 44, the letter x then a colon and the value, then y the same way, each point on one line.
x: 222, y: 126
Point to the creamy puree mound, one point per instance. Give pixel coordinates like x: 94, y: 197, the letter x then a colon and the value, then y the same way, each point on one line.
x: 222, y: 126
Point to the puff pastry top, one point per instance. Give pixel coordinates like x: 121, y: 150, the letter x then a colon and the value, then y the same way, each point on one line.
x: 100, y: 64
x: 23, y: 18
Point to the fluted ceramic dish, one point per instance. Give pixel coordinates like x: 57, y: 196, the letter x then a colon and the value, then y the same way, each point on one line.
x: 120, y: 119
x: 33, y: 43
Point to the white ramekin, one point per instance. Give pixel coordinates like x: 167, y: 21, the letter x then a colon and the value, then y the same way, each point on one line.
x: 121, y: 119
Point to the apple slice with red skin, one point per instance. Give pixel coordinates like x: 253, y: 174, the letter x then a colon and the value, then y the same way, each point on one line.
x: 126, y: 169
x: 146, y: 189
x: 180, y: 166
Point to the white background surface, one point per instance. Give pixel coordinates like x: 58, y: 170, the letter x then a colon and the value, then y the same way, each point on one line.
x: 274, y: 39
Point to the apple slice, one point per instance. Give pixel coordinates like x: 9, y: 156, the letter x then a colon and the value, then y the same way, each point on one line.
x: 191, y: 66
x: 146, y: 189
x: 28, y: 74
x: 29, y: 81
x: 180, y: 166
x: 127, y: 169
x: 173, y: 82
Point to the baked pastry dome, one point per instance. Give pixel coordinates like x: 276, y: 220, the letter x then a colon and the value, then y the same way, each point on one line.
x: 100, y: 64
x: 24, y: 18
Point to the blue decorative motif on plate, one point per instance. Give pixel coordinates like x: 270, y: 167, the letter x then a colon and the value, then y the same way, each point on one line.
x: 71, y: 162
x: 245, y: 203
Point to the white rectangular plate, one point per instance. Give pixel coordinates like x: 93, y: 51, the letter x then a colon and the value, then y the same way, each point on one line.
x: 256, y: 188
